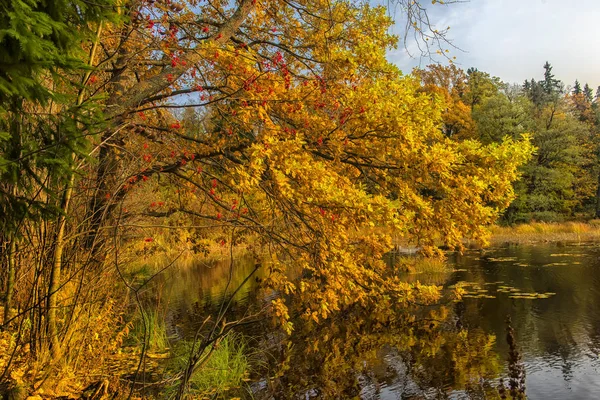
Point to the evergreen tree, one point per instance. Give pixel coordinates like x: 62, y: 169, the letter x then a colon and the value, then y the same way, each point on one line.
x: 550, y: 85
x: 39, y: 37
x: 577, y: 88
x: 535, y: 92
x: 588, y: 94
x: 42, y: 59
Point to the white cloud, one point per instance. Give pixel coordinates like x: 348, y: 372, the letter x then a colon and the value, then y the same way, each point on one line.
x: 513, y: 38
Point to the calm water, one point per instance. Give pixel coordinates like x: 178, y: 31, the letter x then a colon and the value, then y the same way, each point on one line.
x: 551, y: 293
x: 559, y: 336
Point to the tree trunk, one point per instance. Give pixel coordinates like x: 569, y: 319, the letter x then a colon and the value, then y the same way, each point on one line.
x: 54, y: 283
x: 124, y: 98
x: 597, y: 213
x: 10, y: 284
x: 55, y: 272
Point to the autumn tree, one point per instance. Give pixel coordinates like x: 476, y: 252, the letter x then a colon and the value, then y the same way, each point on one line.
x: 302, y: 137
x: 500, y: 115
x: 450, y: 84
x: 480, y: 86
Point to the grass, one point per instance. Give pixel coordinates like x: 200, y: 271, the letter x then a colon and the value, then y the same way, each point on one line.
x: 155, y: 333
x: 536, y: 232
x: 225, y: 369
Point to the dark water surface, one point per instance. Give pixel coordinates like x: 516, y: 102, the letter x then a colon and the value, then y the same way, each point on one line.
x: 559, y: 336
x: 551, y: 293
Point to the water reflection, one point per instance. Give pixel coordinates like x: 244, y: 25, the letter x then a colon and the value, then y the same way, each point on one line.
x: 446, y: 352
x: 378, y: 354
x: 558, y: 335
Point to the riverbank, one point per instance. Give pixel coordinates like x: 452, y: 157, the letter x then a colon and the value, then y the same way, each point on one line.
x: 545, y: 232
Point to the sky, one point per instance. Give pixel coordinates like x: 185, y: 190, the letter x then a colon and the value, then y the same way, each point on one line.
x: 512, y: 39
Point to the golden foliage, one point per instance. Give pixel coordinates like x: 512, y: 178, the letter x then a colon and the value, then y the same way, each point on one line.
x: 308, y: 135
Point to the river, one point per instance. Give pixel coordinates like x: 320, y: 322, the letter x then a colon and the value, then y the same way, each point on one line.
x: 551, y: 294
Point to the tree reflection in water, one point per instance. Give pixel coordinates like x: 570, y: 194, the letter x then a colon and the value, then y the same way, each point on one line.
x: 362, y: 353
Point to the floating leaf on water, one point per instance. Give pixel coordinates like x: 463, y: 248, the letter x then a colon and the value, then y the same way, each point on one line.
x: 556, y: 264
x: 464, y: 283
x: 478, y: 296
x: 502, y: 259
x: 522, y: 265
x: 460, y: 270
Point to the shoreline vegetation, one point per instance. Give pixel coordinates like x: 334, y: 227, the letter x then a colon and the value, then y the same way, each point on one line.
x: 545, y: 232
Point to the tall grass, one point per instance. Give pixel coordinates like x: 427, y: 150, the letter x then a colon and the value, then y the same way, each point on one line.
x: 152, y: 329
x: 547, y: 232
x: 224, y: 370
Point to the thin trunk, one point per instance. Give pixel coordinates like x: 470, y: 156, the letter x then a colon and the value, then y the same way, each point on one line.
x: 55, y: 272
x: 107, y: 160
x: 54, y: 283
x: 597, y: 214
x: 10, y: 284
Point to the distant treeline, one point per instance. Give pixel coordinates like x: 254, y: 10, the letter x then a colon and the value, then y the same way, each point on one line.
x: 560, y: 182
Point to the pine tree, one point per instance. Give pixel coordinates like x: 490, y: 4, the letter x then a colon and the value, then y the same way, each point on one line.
x: 535, y: 92
x: 41, y: 54
x: 550, y: 85
x: 43, y: 61
x: 37, y: 37
x: 588, y: 94
x: 577, y: 88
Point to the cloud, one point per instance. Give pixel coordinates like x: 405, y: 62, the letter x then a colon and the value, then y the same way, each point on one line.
x: 513, y: 38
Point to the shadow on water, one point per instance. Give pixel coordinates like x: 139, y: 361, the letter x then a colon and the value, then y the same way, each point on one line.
x: 551, y: 295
